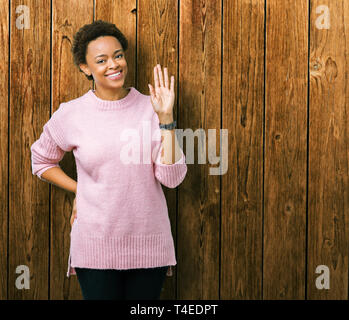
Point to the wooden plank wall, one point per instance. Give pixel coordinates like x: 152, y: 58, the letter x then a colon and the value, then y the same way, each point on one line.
x: 263, y: 69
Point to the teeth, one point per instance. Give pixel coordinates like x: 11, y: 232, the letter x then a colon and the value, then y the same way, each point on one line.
x: 114, y: 74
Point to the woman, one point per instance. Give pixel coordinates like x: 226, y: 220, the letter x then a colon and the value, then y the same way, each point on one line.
x: 121, y: 243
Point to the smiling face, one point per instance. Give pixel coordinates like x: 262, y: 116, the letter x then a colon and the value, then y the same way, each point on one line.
x: 104, y: 57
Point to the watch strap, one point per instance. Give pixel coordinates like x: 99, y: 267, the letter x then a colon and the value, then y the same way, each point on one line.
x: 168, y: 126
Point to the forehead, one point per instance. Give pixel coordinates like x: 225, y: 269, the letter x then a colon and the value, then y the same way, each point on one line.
x: 103, y: 45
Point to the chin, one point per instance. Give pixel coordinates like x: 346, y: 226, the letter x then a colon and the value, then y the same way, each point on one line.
x: 115, y: 85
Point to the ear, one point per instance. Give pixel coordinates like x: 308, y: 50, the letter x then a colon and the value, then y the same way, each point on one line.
x: 85, y: 69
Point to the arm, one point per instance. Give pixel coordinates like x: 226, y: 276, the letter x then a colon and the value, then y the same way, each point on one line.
x: 170, y: 148
x: 45, y: 157
x: 58, y: 177
x: 168, y: 172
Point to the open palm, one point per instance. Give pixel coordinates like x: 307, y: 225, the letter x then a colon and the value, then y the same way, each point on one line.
x: 162, y: 97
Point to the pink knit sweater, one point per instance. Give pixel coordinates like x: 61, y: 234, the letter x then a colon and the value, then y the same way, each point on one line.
x: 122, y: 216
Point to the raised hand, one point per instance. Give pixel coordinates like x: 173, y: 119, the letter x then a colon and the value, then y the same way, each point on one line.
x: 162, y: 97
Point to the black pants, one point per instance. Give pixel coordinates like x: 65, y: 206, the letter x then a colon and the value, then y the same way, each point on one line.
x: 131, y: 284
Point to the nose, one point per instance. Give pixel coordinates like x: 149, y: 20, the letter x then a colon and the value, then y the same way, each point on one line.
x: 112, y: 64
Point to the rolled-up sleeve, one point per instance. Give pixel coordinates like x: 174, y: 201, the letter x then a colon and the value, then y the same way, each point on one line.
x: 170, y: 175
x: 49, y: 149
x: 45, y: 153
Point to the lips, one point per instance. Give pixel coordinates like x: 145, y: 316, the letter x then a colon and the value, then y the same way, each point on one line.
x: 113, y: 77
x: 109, y: 74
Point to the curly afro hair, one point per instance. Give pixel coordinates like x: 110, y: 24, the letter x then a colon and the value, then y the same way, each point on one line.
x: 90, y: 32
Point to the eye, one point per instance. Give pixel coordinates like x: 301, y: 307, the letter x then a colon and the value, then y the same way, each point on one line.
x: 116, y: 56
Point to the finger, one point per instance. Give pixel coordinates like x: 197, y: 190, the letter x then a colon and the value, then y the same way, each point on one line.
x: 152, y: 92
x: 160, y: 76
x: 156, y: 79
x: 150, y: 89
x: 166, y: 78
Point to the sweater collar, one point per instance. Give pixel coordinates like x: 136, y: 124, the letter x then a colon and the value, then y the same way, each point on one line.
x: 106, y: 105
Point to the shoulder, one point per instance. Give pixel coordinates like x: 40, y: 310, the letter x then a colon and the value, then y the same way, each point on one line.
x: 74, y: 103
x: 147, y: 106
x: 141, y: 97
x: 67, y: 108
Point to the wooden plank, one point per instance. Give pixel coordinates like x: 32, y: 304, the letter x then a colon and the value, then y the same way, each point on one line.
x: 67, y: 83
x: 328, y: 150
x: 285, y: 149
x: 4, y: 111
x: 200, y: 108
x: 252, y: 267
x: 124, y: 15
x: 29, y: 110
x: 157, y: 43
x: 242, y: 185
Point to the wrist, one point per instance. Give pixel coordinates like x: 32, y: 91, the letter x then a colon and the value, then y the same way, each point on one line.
x: 165, y: 118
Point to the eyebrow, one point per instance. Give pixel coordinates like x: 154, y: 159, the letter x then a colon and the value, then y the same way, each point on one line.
x: 101, y: 55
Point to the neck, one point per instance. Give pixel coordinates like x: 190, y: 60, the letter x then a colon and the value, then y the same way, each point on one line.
x: 111, y: 94
x: 114, y: 105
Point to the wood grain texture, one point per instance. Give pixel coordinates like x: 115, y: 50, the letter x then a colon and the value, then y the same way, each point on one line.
x: 242, y: 185
x: 29, y: 109
x: 67, y: 84
x: 200, y: 107
x: 256, y: 232
x: 285, y: 150
x: 329, y: 151
x: 157, y: 43
x: 4, y: 151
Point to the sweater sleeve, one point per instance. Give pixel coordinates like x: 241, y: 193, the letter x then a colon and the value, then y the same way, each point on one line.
x: 170, y: 175
x: 49, y: 149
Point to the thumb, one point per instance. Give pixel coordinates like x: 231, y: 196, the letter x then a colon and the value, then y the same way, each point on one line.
x: 150, y: 89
